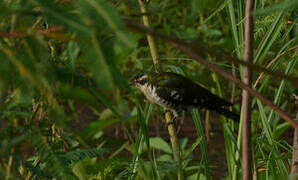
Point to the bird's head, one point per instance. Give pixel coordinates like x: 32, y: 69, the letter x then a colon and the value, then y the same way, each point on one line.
x: 140, y: 80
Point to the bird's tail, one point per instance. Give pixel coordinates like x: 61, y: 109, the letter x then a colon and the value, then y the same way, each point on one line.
x: 229, y: 114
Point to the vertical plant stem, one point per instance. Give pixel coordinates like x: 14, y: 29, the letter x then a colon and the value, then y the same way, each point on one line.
x: 173, y: 137
x: 175, y: 144
x: 207, y: 126
x: 246, y: 98
x: 203, y: 144
x: 233, y: 86
x: 150, y: 39
x: 168, y: 116
x: 294, y: 168
x: 9, y: 165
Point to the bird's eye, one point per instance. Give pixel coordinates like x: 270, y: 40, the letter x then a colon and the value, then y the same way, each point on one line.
x: 142, y: 82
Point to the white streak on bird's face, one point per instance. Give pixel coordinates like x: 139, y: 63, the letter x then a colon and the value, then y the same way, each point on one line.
x: 143, y: 77
x: 140, y: 80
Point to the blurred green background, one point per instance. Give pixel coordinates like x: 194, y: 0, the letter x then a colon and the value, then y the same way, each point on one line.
x: 67, y: 111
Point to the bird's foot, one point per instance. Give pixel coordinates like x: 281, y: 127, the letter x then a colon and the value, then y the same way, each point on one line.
x: 173, y: 117
x: 172, y: 122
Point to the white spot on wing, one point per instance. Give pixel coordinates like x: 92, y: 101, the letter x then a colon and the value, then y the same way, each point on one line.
x: 173, y: 93
x: 176, y: 97
x: 175, y: 113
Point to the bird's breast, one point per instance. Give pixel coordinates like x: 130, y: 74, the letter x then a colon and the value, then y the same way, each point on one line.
x: 150, y: 93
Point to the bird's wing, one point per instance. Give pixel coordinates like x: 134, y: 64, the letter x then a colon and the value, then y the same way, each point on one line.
x: 184, y: 91
x: 170, y: 95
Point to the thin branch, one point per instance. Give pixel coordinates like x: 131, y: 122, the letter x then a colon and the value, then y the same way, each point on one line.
x: 246, y: 98
x: 261, y: 76
x: 189, y: 51
x: 204, y: 51
x: 46, y: 32
x: 294, y: 168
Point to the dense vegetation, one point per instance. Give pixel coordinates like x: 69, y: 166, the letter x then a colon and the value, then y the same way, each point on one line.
x: 67, y: 110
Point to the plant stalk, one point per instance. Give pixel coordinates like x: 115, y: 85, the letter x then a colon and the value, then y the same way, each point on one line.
x: 246, y: 98
x: 294, y: 168
x: 150, y: 39
x: 155, y: 57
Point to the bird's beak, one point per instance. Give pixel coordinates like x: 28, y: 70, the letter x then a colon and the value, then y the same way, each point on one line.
x: 132, y: 83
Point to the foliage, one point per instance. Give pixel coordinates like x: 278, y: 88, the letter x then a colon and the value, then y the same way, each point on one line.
x: 64, y: 73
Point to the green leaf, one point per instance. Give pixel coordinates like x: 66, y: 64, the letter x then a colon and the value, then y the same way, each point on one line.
x: 100, y: 11
x: 63, y: 16
x: 192, y: 148
x: 79, y: 155
x: 81, y: 95
x: 96, y: 127
x: 203, y: 144
x: 160, y: 144
x: 47, y: 155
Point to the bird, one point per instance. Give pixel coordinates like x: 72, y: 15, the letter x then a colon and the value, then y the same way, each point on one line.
x: 177, y: 94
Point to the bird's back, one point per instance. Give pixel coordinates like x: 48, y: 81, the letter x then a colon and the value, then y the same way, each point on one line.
x: 191, y: 93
